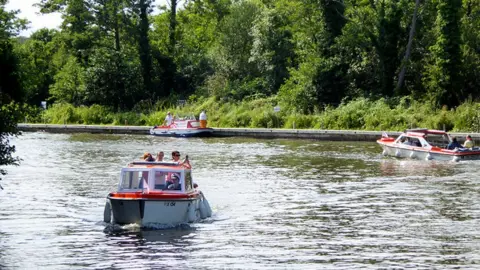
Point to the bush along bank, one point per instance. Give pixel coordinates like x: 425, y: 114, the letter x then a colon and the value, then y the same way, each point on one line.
x: 359, y: 114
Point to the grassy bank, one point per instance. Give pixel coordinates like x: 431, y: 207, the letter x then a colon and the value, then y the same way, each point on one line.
x: 360, y: 114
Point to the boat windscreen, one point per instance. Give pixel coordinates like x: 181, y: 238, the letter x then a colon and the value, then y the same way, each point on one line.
x: 440, y: 140
x: 133, y: 179
x: 188, y: 181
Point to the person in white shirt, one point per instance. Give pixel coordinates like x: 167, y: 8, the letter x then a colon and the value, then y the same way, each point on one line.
x: 203, y: 119
x: 160, y: 156
x: 168, y: 119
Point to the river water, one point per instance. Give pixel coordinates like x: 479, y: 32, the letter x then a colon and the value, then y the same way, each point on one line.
x: 278, y: 204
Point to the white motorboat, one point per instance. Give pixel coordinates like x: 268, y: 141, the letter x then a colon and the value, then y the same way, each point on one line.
x: 182, y: 128
x: 426, y: 144
x: 156, y: 193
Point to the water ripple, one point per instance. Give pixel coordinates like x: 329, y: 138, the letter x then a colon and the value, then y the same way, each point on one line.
x: 278, y: 204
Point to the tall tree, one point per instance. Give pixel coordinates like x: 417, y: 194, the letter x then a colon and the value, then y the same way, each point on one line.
x: 110, y: 17
x: 144, y: 44
x: 36, y: 65
x: 443, y: 79
x: 408, y: 51
x: 10, y: 90
x: 77, y: 25
x: 172, y: 27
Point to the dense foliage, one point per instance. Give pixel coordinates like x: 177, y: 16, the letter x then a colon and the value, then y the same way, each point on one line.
x: 308, y: 54
x: 10, y: 90
x: 357, y: 114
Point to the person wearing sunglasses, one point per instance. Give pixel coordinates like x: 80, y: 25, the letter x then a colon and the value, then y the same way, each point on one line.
x: 176, y: 158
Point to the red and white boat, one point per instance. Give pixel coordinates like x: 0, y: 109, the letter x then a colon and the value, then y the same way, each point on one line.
x: 145, y: 197
x: 182, y: 128
x: 425, y: 144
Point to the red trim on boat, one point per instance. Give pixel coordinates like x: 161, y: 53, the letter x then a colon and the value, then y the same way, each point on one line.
x: 434, y: 149
x: 153, y: 195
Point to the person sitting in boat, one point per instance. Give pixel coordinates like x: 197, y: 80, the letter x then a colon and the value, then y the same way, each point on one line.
x: 148, y: 157
x: 416, y: 142
x: 174, y: 183
x: 454, y: 144
x: 407, y: 141
x: 160, y: 156
x: 168, y: 119
x: 176, y: 158
x: 468, y: 142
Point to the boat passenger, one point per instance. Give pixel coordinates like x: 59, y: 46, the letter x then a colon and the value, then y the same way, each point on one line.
x: 160, y: 156
x: 148, y: 157
x: 168, y: 119
x: 468, y: 142
x: 407, y: 141
x: 203, y: 119
x: 176, y: 158
x: 454, y: 144
x: 174, y: 184
x: 417, y: 143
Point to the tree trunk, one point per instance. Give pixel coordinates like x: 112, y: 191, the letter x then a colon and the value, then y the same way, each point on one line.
x: 144, y: 48
x: 173, y: 24
x: 116, y: 26
x: 401, y: 75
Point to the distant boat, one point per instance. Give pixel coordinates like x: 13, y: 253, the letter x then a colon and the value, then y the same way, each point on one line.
x: 425, y: 144
x: 151, y: 193
x: 182, y: 128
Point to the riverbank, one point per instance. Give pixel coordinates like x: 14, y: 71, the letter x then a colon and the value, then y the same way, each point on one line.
x: 265, y: 133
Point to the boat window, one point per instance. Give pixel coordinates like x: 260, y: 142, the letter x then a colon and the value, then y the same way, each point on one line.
x: 194, y: 124
x: 181, y: 124
x: 439, y: 140
x: 188, y: 181
x: 160, y: 178
x: 133, y: 179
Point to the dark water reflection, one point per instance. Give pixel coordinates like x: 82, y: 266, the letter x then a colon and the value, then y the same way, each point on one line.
x: 277, y: 204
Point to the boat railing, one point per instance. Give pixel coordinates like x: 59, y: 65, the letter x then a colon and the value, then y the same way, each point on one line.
x: 164, y: 163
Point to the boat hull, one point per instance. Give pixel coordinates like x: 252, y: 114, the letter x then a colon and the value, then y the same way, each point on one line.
x: 425, y: 154
x: 171, y: 132
x: 154, y: 211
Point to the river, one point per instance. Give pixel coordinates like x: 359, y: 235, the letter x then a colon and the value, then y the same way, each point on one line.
x: 278, y: 204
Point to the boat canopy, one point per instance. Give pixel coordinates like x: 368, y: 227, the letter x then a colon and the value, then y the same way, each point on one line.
x: 425, y: 138
x: 148, y: 179
x: 426, y: 131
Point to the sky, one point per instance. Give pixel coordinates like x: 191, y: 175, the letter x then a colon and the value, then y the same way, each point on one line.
x: 37, y: 20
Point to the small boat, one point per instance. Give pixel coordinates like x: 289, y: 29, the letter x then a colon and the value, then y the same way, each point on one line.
x: 156, y: 193
x: 182, y: 128
x: 425, y: 144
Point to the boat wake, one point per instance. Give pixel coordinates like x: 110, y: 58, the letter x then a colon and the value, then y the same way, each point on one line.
x: 116, y: 228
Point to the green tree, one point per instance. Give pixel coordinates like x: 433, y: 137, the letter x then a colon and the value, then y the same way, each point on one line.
x: 36, y: 66
x: 69, y: 83
x: 114, y: 79
x: 236, y: 75
x: 10, y: 89
x: 470, y: 29
x: 272, y: 49
x: 443, y: 79
x: 77, y: 25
